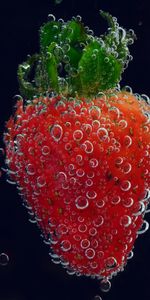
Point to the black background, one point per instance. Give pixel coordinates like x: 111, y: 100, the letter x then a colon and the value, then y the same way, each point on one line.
x: 30, y: 275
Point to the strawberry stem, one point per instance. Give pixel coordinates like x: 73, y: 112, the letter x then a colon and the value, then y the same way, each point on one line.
x: 73, y: 61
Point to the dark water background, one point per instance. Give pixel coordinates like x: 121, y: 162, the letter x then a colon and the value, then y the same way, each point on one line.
x: 30, y: 275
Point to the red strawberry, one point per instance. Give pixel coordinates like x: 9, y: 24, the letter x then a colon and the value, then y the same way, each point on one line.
x: 81, y: 158
x: 75, y: 164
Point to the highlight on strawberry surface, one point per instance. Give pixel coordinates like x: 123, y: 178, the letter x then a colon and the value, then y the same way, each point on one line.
x: 77, y: 147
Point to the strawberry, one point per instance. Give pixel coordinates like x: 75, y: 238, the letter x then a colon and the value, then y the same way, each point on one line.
x: 74, y: 153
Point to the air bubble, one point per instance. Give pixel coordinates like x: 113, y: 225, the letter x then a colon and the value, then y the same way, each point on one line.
x: 91, y: 194
x: 144, y: 227
x: 114, y: 112
x: 130, y: 255
x: 4, y: 259
x: 65, y: 245
x: 111, y: 262
x: 90, y: 253
x: 82, y: 228
x: 125, y: 185
x: 45, y: 150
x: 80, y: 172
x: 85, y: 243
x: 127, y: 141
x: 93, y: 162
x: 77, y: 135
x: 106, y: 60
x: 105, y: 285
x: 97, y: 297
x: 95, y: 112
x: 115, y: 200
x: 123, y: 124
x: 62, y: 229
x: 100, y: 203
x: 118, y: 161
x: 102, y: 134
x: 87, y: 128
x: 127, y: 168
x: 62, y: 176
x: 56, y: 132
x: 127, y: 202
x: 128, y: 89
x: 125, y: 221
x: 81, y: 202
x: 41, y: 181
x: 88, y: 146
x: 89, y: 182
x: 98, y: 221
x: 30, y: 169
x: 51, y: 17
x: 92, y: 231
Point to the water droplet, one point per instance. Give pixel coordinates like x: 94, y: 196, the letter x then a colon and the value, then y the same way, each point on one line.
x: 4, y: 259
x: 77, y: 135
x: 81, y: 202
x: 65, y: 245
x: 56, y: 132
x: 85, y: 243
x: 125, y: 185
x: 125, y: 221
x: 105, y: 285
x: 90, y: 253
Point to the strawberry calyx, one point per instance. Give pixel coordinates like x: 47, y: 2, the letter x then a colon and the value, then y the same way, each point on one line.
x: 72, y: 61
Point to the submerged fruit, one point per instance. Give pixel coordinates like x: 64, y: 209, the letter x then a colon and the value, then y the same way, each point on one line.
x: 78, y: 147
x: 75, y: 162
